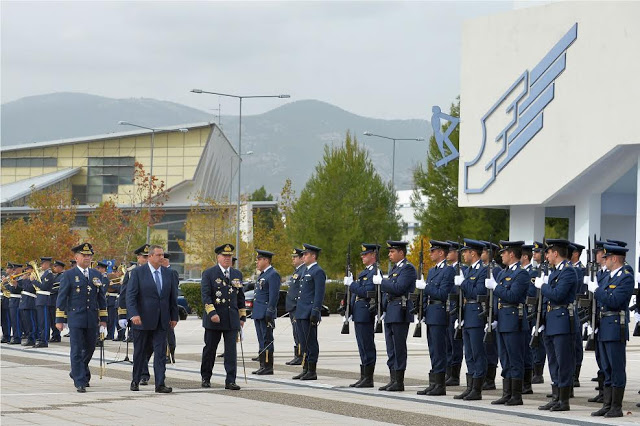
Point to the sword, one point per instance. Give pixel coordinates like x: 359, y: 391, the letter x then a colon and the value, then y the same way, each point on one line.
x: 242, y: 353
x: 276, y: 335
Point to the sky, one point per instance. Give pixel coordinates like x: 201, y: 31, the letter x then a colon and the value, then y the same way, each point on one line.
x: 390, y: 60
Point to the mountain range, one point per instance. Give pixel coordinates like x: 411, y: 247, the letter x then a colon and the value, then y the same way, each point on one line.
x: 287, y: 142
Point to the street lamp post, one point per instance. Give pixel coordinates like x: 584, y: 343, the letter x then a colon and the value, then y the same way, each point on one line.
x: 153, y: 133
x: 233, y: 175
x: 393, y: 160
x: 240, y: 98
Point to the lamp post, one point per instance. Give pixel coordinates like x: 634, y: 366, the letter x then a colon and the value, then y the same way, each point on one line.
x: 233, y: 175
x: 393, y: 161
x: 240, y: 98
x: 153, y: 133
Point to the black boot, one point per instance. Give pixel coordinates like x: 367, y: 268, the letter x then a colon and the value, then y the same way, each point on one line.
x: 526, y: 384
x: 268, y: 364
x: 398, y: 384
x: 392, y: 379
x: 563, y: 400
x: 490, y: 378
x: 447, y: 373
x: 440, y: 388
x: 295, y: 356
x: 454, y: 378
x: 554, y: 399
x: 617, y: 394
x: 476, y: 390
x: 506, y: 393
x: 538, y: 374
x: 305, y: 369
x: 261, y: 359
x: 467, y: 391
x: 353, y: 385
x: 606, y: 405
x: 298, y: 358
x: 432, y: 383
x: 367, y: 382
x: 600, y: 397
x: 516, y: 392
x: 576, y: 376
x: 311, y: 374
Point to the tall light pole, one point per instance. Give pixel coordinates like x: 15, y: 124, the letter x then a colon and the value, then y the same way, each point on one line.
x: 393, y: 161
x: 233, y: 175
x: 153, y: 133
x: 240, y: 98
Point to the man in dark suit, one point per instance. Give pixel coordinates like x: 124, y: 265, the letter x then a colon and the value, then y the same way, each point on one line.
x: 81, y: 305
x: 152, y: 306
x: 224, y: 315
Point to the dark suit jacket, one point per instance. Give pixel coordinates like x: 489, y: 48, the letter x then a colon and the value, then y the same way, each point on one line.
x: 81, y: 302
x: 155, y: 310
x: 223, y: 298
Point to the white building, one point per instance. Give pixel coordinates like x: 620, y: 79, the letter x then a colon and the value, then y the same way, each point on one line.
x: 407, y: 214
x: 550, y: 106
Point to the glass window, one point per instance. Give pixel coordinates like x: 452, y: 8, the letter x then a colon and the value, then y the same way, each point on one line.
x: 50, y: 162
x: 37, y: 162
x: 23, y: 162
x: 8, y: 162
x: 110, y: 180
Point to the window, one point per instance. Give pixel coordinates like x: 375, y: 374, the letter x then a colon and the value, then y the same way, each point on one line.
x: 30, y: 162
x: 105, y: 174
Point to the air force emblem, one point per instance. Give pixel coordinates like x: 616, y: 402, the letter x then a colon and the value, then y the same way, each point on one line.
x: 442, y: 139
x: 524, y: 104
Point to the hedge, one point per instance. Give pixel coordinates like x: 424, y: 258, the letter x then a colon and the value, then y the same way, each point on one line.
x: 191, y: 292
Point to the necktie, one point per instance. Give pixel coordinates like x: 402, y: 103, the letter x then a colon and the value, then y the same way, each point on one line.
x: 85, y: 272
x: 156, y: 277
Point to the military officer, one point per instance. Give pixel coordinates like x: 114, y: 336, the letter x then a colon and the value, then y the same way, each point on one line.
x: 602, y: 274
x: 265, y: 309
x: 396, y: 289
x: 454, y: 347
x: 142, y: 254
x: 559, y: 291
x: 43, y: 294
x: 113, y: 291
x: 224, y: 315
x: 293, y: 294
x: 440, y: 280
x: 57, y: 270
x: 82, y: 306
x: 510, y: 288
x: 491, y: 347
x: 5, y: 295
x: 525, y: 263
x: 102, y: 267
x: 28, y: 307
x: 575, y: 251
x: 538, y: 354
x: 309, y: 311
x: 363, y: 315
x: 14, y: 305
x: 614, y: 297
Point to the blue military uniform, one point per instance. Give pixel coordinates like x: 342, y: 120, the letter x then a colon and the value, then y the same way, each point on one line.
x: 222, y: 295
x: 581, y: 291
x: 538, y: 353
x: 113, y: 291
x: 291, y: 301
x: 51, y: 307
x: 43, y: 294
x: 491, y: 346
x: 396, y: 289
x: 14, y: 309
x: 28, y: 310
x: 265, y: 312
x: 454, y: 347
x: 364, y: 319
x: 613, y: 331
x: 82, y: 306
x: 5, y: 296
x: 309, y: 314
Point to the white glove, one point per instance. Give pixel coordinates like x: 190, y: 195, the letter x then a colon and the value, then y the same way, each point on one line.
x: 539, y: 282
x: 103, y: 329
x: 638, y: 277
x: 382, y: 317
x: 596, y: 332
x: 421, y: 284
x: 456, y: 324
x: 541, y: 329
x: 637, y: 316
x: 490, y: 283
x: 348, y: 280
x: 494, y: 325
x: 546, y: 279
x: 377, y: 278
x: 593, y: 285
x: 533, y: 330
x: 586, y: 280
x: 350, y: 317
x: 458, y: 279
x: 123, y: 323
x: 589, y: 329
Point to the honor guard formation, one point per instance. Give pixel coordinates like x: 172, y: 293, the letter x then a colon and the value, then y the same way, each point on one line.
x: 483, y: 304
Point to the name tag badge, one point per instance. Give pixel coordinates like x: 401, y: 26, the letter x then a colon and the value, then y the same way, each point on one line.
x: 77, y: 279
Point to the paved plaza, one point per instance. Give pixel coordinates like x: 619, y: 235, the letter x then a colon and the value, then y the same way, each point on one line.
x: 36, y: 388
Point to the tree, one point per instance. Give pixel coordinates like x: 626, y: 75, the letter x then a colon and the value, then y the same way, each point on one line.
x: 442, y: 219
x: 414, y: 253
x: 345, y: 200
x: 47, y: 231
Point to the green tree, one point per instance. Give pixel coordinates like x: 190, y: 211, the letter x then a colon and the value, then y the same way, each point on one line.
x: 345, y: 200
x: 441, y: 218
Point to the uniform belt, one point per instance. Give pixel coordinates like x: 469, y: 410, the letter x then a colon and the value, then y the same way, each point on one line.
x: 46, y: 293
x: 362, y: 298
x: 29, y: 294
x: 556, y: 307
x: 113, y: 294
x: 399, y: 298
x: 508, y: 305
x: 612, y: 313
x: 435, y: 302
x: 18, y: 296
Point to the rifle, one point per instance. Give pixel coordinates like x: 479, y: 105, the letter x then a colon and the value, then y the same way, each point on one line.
x: 347, y: 295
x: 584, y: 303
x: 636, y: 330
x: 418, y: 330
x: 378, y: 293
x: 457, y: 334
x: 544, y: 269
x: 591, y: 339
x: 488, y: 335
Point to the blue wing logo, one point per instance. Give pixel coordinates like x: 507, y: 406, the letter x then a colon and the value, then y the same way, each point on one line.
x: 442, y: 139
x: 525, y: 101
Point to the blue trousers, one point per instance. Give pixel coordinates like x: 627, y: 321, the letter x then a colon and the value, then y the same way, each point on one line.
x: 539, y: 354
x: 579, y: 350
x: 437, y: 338
x: 395, y: 337
x: 511, y: 348
x: 14, y: 314
x: 6, y: 319
x: 141, y: 340
x: 51, y: 312
x: 454, y: 347
x: 112, y: 320
x: 265, y: 335
x: 614, y: 362
x: 211, y: 341
x: 294, y: 327
x: 29, y: 324
x: 492, y: 352
x: 365, y: 337
x: 42, y: 333
x: 474, y: 351
x: 561, y: 357
x: 83, y: 343
x: 528, y: 357
x: 308, y: 338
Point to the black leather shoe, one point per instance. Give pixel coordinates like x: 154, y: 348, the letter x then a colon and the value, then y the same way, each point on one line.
x: 99, y: 343
x: 87, y: 385
x: 4, y: 340
x: 164, y: 389
x: 129, y: 339
x: 55, y: 340
x: 81, y: 389
x: 134, y: 386
x: 205, y: 383
x: 40, y: 345
x: 232, y: 386
x: 255, y: 358
x: 144, y: 382
x: 14, y: 341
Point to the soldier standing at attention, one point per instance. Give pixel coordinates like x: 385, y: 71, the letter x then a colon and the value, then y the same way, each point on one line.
x: 265, y: 309
x: 293, y: 294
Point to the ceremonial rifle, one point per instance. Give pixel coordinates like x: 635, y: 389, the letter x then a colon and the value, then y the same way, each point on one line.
x: 488, y: 335
x: 544, y: 268
x: 457, y: 334
x: 591, y: 340
x: 418, y: 330
x: 378, y: 293
x: 347, y: 295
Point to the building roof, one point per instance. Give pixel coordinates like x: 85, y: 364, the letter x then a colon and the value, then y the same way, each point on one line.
x: 16, y: 190
x: 115, y: 135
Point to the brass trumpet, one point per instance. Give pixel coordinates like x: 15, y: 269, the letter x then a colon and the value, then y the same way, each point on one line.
x: 36, y: 275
